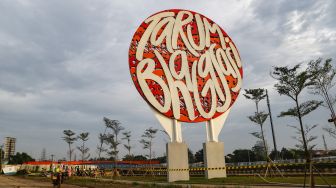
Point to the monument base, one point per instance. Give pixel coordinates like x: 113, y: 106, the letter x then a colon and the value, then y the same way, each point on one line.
x: 177, y: 161
x: 214, y: 160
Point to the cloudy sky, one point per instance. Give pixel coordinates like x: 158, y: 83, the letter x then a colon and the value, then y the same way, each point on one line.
x: 64, y: 65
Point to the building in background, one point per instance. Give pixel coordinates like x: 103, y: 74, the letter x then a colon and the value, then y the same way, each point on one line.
x: 9, y: 148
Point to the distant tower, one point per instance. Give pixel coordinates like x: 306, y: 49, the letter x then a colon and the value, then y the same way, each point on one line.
x: 43, y: 155
x: 9, y: 147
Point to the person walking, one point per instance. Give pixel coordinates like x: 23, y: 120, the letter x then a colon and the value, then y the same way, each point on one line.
x: 56, y: 177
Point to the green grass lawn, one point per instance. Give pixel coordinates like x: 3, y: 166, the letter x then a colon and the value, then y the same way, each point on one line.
x: 244, y: 180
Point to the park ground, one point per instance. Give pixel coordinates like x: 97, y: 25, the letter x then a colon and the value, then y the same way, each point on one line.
x: 139, y: 182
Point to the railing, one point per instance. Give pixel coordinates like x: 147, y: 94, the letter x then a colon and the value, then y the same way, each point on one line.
x: 287, y: 161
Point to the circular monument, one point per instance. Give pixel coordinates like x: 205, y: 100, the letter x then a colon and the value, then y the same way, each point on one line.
x: 185, y: 66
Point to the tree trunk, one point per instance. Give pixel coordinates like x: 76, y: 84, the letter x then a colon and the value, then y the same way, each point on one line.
x: 257, y: 107
x: 116, y: 147
x: 264, y: 142
x: 150, y: 157
x: 70, y: 152
x: 311, y: 170
x: 129, y: 148
x: 262, y: 134
x: 307, y: 155
x: 150, y: 152
x: 101, y: 145
x: 83, y: 152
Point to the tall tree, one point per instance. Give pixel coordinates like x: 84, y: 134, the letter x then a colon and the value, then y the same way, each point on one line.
x: 291, y: 82
x: 116, y: 127
x: 191, y: 157
x: 134, y: 158
x: 113, y: 151
x: 147, y: 140
x: 291, y: 153
x: 309, y: 138
x: 110, y: 141
x: 20, y: 158
x: 259, y: 117
x: 82, y: 148
x: 127, y: 137
x: 259, y: 151
x: 304, y: 109
x: 69, y: 137
x: 199, y: 157
x: 255, y: 95
x: 322, y: 77
x: 100, y: 146
x: 162, y: 159
x: 242, y: 155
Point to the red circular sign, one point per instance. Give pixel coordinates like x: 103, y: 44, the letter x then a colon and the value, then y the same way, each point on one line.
x: 185, y: 66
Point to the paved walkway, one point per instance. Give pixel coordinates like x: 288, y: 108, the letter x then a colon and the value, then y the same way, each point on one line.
x: 12, y: 181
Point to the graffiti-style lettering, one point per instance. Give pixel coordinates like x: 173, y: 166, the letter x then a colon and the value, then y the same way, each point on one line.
x: 185, y: 66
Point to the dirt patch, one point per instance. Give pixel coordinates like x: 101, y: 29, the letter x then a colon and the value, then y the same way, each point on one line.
x: 18, y: 182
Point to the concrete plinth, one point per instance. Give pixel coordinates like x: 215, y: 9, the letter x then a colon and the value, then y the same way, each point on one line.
x: 214, y: 160
x: 177, y: 161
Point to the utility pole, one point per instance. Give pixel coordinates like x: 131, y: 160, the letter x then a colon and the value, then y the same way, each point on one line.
x: 273, y: 135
